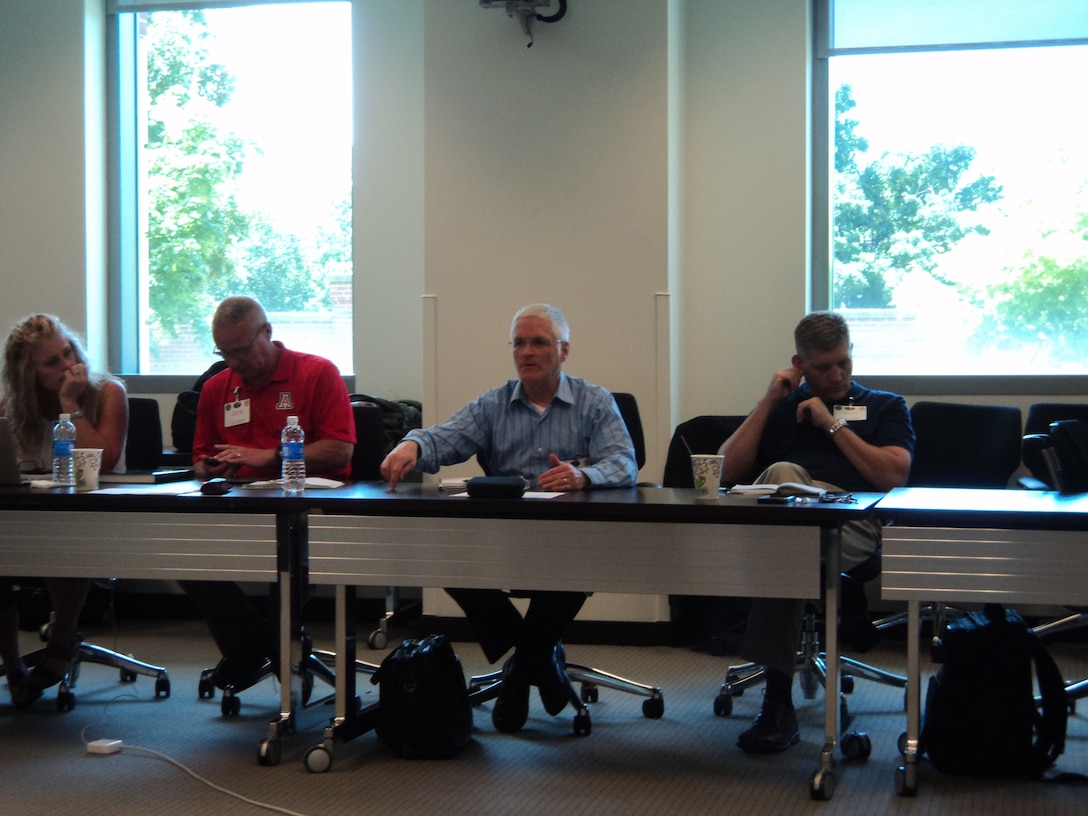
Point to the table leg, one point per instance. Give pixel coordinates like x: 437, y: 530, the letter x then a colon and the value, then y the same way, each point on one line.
x: 292, y: 576
x: 347, y: 699
x: 906, y: 776
x: 823, y: 781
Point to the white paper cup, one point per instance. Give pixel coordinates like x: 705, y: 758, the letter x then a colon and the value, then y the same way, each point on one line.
x: 706, y: 470
x: 87, y: 462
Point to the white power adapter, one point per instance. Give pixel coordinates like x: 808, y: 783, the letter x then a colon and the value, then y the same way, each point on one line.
x: 104, y: 746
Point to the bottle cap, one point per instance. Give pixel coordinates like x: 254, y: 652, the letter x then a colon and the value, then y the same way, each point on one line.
x: 65, y: 417
x: 292, y: 420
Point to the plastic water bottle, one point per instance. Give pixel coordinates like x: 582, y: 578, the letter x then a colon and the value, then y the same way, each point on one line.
x: 64, y: 439
x: 294, y: 462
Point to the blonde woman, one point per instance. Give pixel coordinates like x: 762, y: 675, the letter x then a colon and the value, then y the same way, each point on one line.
x: 46, y: 373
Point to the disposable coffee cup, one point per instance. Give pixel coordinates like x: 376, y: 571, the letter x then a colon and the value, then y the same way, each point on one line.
x: 87, y: 462
x: 706, y: 470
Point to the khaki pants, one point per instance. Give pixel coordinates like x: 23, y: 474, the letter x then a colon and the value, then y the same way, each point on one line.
x: 774, y: 624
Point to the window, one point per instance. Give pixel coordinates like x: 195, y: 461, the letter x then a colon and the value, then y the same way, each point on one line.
x: 233, y: 176
x: 956, y: 213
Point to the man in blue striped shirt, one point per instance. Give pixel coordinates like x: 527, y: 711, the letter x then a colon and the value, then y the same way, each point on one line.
x: 560, y: 433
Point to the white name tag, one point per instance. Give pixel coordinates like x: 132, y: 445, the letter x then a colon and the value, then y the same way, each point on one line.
x: 851, y: 413
x: 237, y: 413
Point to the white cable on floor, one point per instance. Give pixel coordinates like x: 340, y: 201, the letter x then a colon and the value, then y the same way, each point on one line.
x: 199, y: 778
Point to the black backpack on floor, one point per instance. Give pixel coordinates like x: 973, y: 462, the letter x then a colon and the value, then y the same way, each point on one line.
x: 981, y: 718
x: 423, y: 706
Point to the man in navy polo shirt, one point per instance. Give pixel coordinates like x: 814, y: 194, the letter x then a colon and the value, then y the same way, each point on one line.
x: 814, y: 425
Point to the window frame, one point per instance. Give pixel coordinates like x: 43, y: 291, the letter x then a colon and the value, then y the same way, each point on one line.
x: 822, y: 145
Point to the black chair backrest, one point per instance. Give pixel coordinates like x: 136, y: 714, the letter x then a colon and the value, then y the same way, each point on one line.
x: 143, y: 446
x: 366, y: 461
x: 628, y: 406
x: 964, y: 445
x: 1070, y: 440
x: 1042, y: 414
x: 702, y: 434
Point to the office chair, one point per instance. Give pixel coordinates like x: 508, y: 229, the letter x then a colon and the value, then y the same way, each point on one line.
x: 366, y: 461
x: 707, y: 622
x: 1036, y: 430
x: 143, y: 449
x: 959, y: 445
x: 143, y: 446
x: 486, y: 686
x: 1059, y: 459
x: 705, y: 434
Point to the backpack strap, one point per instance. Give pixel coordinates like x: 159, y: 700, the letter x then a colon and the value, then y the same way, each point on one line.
x: 1055, y: 711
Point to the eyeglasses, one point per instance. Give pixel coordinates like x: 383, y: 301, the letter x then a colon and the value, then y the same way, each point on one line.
x: 535, y: 343
x: 226, y: 354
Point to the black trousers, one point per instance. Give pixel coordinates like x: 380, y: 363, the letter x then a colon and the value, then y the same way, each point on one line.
x: 234, y: 619
x: 499, y: 626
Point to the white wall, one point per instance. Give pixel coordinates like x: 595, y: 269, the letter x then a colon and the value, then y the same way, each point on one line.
x: 52, y: 164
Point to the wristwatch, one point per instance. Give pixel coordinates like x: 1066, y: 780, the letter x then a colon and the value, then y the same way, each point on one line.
x: 839, y: 423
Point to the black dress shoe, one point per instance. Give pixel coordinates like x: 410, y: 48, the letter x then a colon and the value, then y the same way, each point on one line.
x: 243, y: 668
x: 553, y: 683
x: 512, y: 706
x: 859, y: 634
x: 775, y: 729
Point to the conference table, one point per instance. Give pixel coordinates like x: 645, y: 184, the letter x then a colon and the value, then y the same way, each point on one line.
x: 627, y: 540
x: 982, y: 546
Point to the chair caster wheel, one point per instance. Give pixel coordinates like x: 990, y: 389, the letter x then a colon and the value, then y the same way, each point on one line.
x: 205, y: 688
x: 230, y: 706
x: 937, y: 651
x: 583, y: 726
x: 823, y: 786
x: 66, y: 701
x: 723, y: 705
x: 654, y: 708
x: 590, y: 693
x: 318, y: 759
x: 128, y: 676
x: 162, y: 686
x: 856, y: 746
x: 378, y: 639
x: 846, y: 684
x: 269, y: 752
x: 905, y: 785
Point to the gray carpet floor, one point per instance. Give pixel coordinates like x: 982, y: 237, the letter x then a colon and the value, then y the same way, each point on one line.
x: 684, y: 763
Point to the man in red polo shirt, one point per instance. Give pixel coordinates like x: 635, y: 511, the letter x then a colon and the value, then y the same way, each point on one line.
x: 241, y: 412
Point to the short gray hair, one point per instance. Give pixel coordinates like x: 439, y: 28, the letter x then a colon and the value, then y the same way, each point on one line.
x: 560, y: 329
x: 239, y: 309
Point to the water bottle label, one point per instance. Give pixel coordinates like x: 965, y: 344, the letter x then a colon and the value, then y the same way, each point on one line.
x: 292, y: 451
x: 62, y: 447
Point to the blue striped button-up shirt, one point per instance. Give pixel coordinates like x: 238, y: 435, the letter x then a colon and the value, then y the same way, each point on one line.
x: 581, y: 424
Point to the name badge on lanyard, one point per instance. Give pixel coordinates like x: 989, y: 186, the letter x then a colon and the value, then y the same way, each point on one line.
x: 236, y: 413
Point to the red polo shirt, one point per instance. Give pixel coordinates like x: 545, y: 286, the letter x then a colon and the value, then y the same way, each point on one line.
x: 303, y: 385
